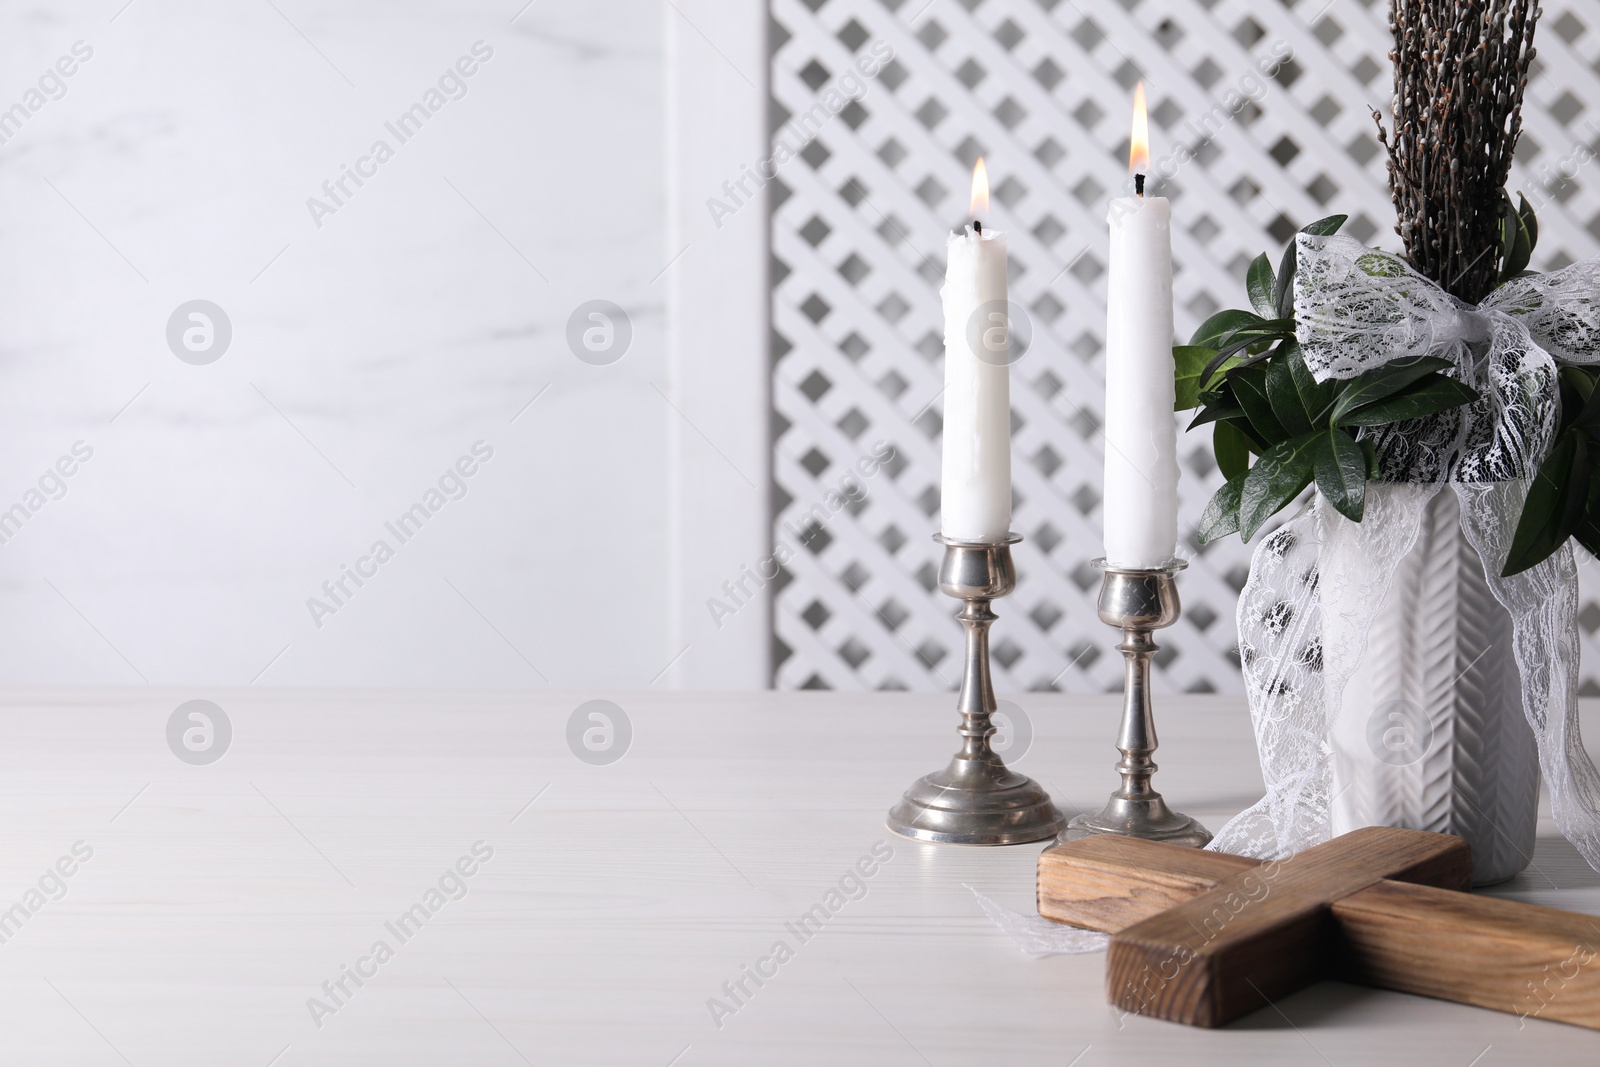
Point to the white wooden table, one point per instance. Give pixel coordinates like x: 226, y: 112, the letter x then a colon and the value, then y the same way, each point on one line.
x: 220, y: 898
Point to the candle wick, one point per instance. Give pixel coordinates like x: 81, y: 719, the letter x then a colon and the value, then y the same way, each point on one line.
x: 1138, y: 184
x: 977, y: 227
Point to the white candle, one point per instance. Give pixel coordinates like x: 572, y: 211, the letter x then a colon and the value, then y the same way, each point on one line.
x: 1140, y: 506
x: 975, y: 489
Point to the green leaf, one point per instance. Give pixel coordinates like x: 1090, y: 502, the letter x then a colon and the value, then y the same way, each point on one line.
x: 1557, y: 497
x: 1588, y: 532
x: 1283, y: 295
x: 1588, y: 415
x: 1510, y: 228
x: 1341, y: 469
x: 1384, y: 381
x: 1260, y: 330
x: 1189, y: 363
x: 1276, y: 479
x: 1254, y: 338
x: 1214, y: 413
x: 1285, y: 398
x: 1222, y: 323
x: 1325, y: 227
x: 1516, y: 242
x: 1376, y: 264
x: 1221, y: 516
x: 1316, y: 397
x: 1374, y: 468
x: 1428, y: 396
x: 1250, y: 387
x: 1260, y: 283
x: 1232, y: 448
x: 1232, y: 413
x: 1530, y: 221
x: 1257, y: 444
x: 1580, y: 380
x: 1224, y: 407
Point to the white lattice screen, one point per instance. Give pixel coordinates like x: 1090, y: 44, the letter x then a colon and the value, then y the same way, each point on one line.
x: 1043, y: 89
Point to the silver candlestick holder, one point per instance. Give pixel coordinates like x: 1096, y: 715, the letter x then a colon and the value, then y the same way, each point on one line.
x: 977, y: 799
x: 1138, y: 602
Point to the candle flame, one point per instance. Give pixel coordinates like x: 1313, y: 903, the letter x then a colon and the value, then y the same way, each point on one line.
x: 1139, y: 142
x: 980, y: 190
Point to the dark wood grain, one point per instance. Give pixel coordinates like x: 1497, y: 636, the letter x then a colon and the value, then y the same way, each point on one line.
x: 1518, y: 958
x: 1265, y: 932
x: 1203, y: 938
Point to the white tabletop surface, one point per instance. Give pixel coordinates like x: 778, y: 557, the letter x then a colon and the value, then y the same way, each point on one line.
x: 219, y: 899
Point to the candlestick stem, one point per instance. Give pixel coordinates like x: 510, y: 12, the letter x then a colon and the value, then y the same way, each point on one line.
x: 976, y: 799
x: 1138, y: 602
x: 976, y: 702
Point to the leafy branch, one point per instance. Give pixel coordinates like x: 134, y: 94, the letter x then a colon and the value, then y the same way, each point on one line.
x: 1564, y: 497
x: 1276, y: 428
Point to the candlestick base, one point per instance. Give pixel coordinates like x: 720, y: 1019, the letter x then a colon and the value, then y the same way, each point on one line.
x: 1138, y: 602
x: 976, y: 799
x: 1128, y: 817
x: 976, y: 802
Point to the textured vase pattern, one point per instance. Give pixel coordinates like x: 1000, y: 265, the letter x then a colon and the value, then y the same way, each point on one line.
x: 1430, y: 732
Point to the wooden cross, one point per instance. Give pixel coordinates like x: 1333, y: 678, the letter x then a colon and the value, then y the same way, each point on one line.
x: 1204, y: 937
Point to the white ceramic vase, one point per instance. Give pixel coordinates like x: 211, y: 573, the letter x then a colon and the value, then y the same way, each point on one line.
x: 1430, y: 733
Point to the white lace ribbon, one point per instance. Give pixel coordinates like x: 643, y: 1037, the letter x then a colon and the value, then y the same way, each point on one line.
x: 1038, y: 936
x: 1357, y: 308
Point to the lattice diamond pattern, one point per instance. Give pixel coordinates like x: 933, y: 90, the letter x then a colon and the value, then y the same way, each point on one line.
x: 1042, y: 88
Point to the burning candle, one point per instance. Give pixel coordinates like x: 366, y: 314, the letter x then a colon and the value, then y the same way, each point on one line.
x: 1140, y: 506
x: 975, y: 489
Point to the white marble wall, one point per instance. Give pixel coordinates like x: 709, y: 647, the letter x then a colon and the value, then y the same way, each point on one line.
x: 368, y: 353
